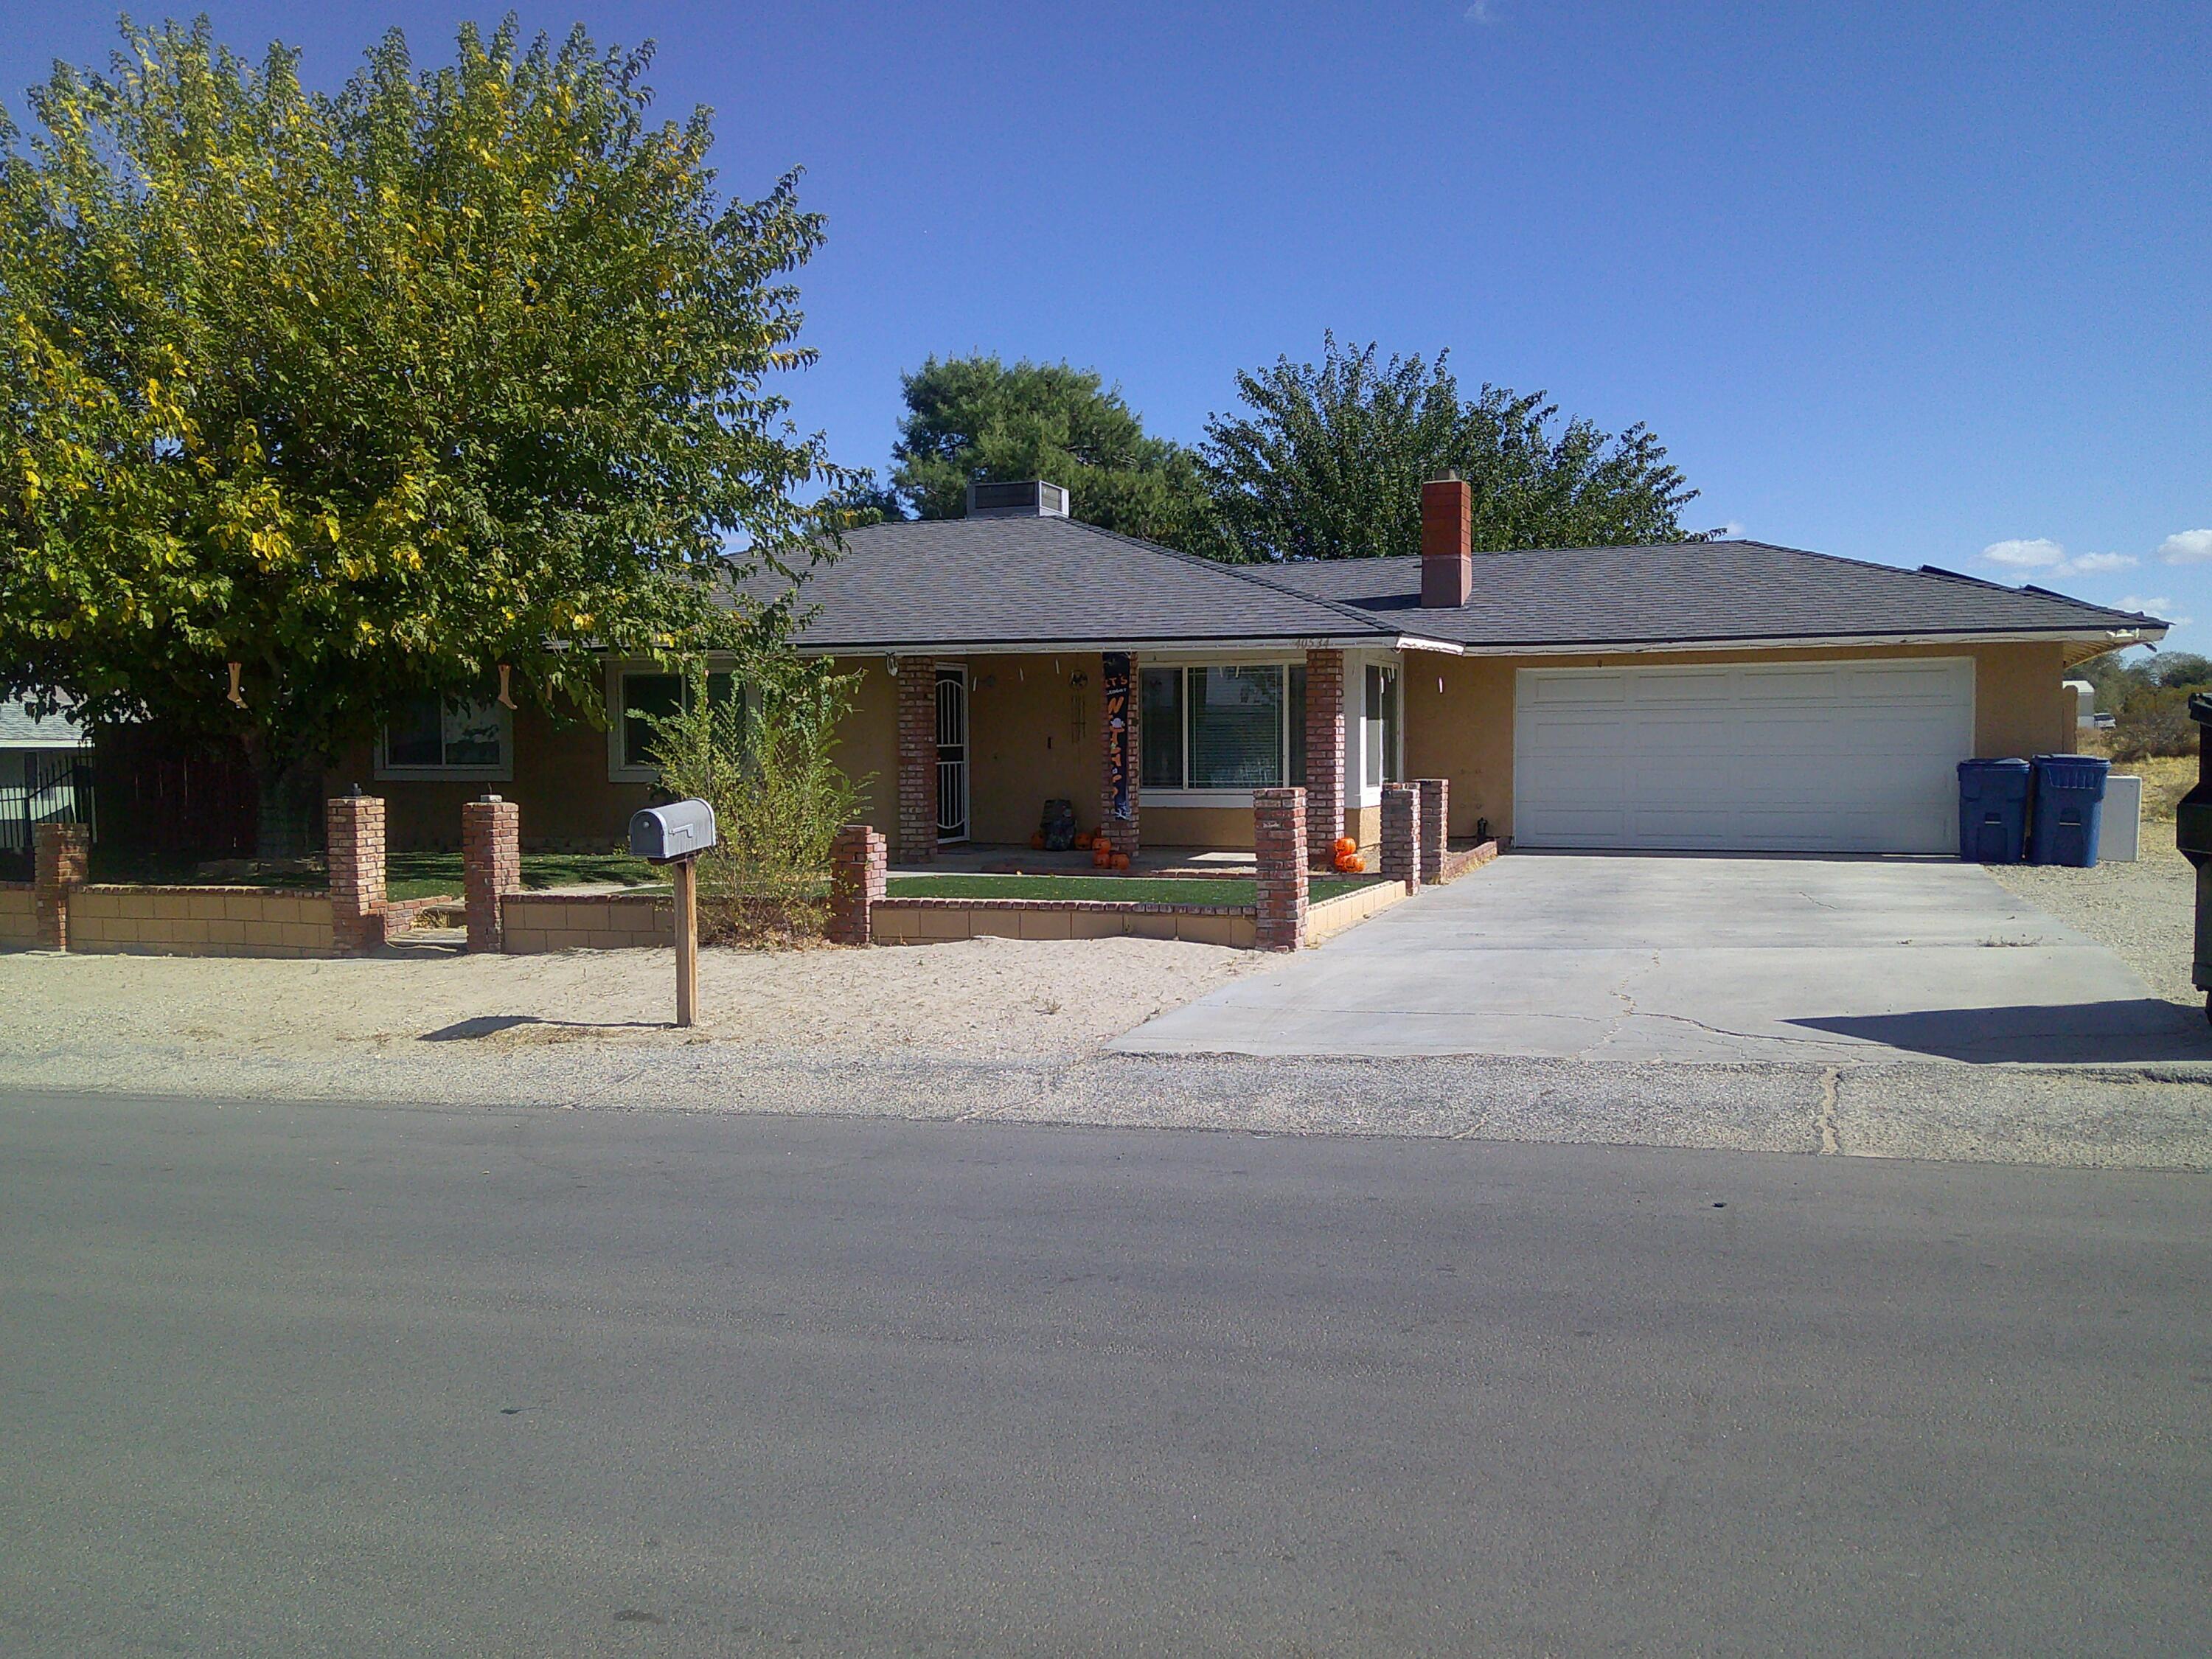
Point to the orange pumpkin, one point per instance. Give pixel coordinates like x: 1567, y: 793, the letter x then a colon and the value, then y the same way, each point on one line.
x: 1102, y: 856
x: 1355, y: 865
x: 1036, y: 842
x: 1120, y: 860
x: 1083, y: 841
x: 1343, y: 845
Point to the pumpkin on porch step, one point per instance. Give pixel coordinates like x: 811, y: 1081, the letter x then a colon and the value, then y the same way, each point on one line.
x: 1344, y: 846
x: 1120, y: 860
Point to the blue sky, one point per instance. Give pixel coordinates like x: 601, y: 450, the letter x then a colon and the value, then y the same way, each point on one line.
x: 1921, y: 283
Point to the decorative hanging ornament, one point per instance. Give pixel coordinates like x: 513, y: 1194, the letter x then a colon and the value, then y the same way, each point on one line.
x: 505, y: 700
x: 237, y: 698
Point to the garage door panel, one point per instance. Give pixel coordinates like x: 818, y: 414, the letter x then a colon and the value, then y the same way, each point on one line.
x: 1810, y: 757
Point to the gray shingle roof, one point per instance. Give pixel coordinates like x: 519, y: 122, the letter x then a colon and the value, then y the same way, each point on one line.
x: 1695, y: 591
x: 1012, y: 582
x: 977, y: 583
x: 20, y: 729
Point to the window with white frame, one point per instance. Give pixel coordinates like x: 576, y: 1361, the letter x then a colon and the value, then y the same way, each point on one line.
x: 1226, y: 727
x: 643, y: 695
x: 433, y: 738
x: 1381, y: 717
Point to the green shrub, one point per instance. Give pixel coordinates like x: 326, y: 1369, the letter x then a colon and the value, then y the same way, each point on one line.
x: 766, y: 762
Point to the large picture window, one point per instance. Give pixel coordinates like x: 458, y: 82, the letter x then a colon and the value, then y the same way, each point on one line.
x: 1228, y: 727
x: 434, y: 737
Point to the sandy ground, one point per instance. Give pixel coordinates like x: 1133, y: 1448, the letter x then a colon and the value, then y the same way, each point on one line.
x: 980, y: 999
x: 2145, y: 911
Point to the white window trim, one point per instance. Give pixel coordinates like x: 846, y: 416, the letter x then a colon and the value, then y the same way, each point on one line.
x: 1161, y: 795
x: 386, y: 772
x: 619, y: 769
x: 1358, y: 792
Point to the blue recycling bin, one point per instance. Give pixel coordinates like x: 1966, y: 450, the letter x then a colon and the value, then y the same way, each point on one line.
x: 1992, y: 811
x: 2069, y: 806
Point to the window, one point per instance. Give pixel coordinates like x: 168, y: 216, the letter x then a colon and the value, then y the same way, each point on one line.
x: 466, y: 740
x: 648, y: 695
x: 1227, y: 728
x: 1381, y: 715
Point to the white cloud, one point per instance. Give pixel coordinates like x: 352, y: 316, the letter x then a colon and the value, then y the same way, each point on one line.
x: 1482, y: 11
x: 2040, y: 554
x: 1732, y: 531
x: 2186, y: 547
x: 2156, y: 605
x: 2047, y: 558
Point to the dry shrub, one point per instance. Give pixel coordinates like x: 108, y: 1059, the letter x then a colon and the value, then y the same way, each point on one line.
x: 2153, y: 719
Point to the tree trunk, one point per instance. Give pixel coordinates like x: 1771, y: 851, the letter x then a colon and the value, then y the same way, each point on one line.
x: 285, y: 826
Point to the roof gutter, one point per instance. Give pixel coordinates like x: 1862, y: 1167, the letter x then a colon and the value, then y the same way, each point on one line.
x: 1142, y: 647
x: 2102, y: 640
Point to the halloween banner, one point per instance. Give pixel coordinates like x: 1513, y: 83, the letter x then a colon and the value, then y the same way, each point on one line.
x: 1114, y: 672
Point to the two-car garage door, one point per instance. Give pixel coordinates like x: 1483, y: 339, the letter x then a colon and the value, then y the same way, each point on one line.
x: 1847, y: 756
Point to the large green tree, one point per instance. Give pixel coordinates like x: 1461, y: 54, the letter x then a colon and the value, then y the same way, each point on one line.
x: 371, y: 392
x: 1326, y: 461
x: 978, y: 417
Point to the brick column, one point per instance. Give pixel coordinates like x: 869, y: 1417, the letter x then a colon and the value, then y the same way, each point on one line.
x: 917, y: 759
x: 1435, y: 827
x: 63, y: 862
x: 1324, y: 755
x: 354, y: 842
x: 491, y: 866
x: 1279, y: 840
x: 1401, y: 835
x: 860, y: 866
x: 1121, y: 833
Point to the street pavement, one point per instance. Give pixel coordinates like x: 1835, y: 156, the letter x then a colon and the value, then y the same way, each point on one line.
x: 336, y: 1379
x: 1603, y: 957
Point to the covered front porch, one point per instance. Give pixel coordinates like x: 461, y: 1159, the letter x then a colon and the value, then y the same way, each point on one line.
x: 1159, y: 751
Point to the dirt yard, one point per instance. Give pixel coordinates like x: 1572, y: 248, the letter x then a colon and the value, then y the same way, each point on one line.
x: 2146, y: 911
x: 981, y: 998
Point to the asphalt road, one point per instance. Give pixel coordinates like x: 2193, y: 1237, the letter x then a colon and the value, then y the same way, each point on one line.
x: 334, y: 1379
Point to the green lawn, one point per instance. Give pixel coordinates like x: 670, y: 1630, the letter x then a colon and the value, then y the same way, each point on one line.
x: 417, y: 875
x: 1130, y: 890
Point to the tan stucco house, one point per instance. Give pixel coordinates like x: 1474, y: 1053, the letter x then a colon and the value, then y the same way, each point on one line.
x: 1725, y: 694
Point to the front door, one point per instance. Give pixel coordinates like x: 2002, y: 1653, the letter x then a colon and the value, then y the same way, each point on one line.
x: 952, y: 752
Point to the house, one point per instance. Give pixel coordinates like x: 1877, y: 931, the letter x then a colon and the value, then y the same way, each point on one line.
x: 1727, y: 695
x: 45, y: 773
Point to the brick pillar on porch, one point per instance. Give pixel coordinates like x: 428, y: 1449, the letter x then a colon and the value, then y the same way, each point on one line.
x: 1279, y: 846
x: 491, y: 866
x: 1121, y: 833
x: 859, y: 870
x: 1401, y: 835
x: 917, y: 759
x: 1434, y: 826
x: 353, y: 845
x: 1324, y: 810
x: 62, y: 864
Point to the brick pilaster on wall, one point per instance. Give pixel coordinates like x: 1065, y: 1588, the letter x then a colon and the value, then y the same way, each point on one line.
x: 859, y: 872
x: 1279, y: 846
x: 1121, y: 833
x: 1436, y: 819
x: 62, y: 864
x: 354, y: 841
x: 1324, y: 754
x: 491, y: 866
x: 917, y: 759
x: 1401, y: 835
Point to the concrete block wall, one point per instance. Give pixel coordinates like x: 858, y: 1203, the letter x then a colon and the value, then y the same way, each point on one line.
x: 18, y: 916
x: 200, y: 921
x: 533, y: 924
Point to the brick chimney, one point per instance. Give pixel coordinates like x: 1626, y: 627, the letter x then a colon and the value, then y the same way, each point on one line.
x: 1447, y: 566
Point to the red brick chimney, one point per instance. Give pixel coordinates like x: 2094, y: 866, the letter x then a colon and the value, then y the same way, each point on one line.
x: 1447, y: 566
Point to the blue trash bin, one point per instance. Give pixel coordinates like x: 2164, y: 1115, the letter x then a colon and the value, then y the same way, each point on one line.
x: 2069, y: 796
x: 1992, y: 811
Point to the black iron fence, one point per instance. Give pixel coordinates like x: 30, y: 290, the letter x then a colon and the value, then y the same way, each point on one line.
x: 53, y: 786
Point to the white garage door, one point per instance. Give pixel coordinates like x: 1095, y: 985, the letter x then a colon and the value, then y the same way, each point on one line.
x: 1805, y: 757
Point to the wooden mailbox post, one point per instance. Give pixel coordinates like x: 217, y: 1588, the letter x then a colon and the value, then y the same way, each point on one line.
x: 676, y: 833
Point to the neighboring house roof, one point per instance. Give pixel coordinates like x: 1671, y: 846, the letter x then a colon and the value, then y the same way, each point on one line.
x: 1697, y: 592
x: 20, y: 729
x: 955, y: 582
x: 950, y: 584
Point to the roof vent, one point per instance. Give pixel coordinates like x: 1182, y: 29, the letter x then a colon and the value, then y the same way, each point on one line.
x: 1032, y: 498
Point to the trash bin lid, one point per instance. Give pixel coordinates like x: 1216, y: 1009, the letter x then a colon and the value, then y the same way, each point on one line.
x: 2084, y: 772
x: 1969, y: 768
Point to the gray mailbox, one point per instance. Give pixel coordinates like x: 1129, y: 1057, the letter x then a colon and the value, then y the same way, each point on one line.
x: 677, y: 830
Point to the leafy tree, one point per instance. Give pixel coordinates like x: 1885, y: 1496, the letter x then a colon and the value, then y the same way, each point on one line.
x: 2184, y: 670
x: 371, y: 392
x: 1326, y: 461
x: 970, y: 418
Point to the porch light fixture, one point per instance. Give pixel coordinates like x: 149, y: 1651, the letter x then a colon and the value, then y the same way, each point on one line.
x: 891, y: 666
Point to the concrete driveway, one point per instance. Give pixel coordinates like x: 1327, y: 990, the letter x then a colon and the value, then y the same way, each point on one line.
x: 1613, y: 956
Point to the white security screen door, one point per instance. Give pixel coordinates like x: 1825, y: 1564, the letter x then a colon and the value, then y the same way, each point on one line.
x: 1842, y: 757
x: 952, y: 752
